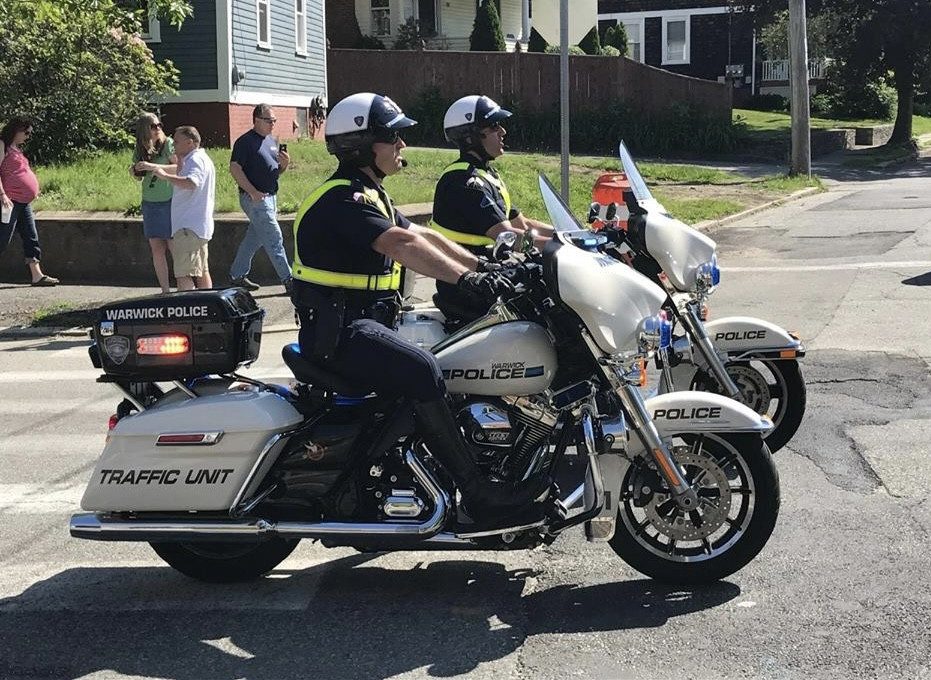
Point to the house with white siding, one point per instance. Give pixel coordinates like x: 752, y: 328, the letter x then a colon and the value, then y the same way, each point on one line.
x: 234, y: 54
x: 451, y: 20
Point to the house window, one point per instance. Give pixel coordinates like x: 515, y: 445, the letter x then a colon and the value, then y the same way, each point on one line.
x: 634, y: 30
x: 675, y: 40
x: 381, y: 17
x: 263, y: 23
x: 151, y: 29
x: 300, y: 28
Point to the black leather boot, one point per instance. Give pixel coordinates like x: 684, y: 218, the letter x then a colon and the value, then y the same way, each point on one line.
x: 485, y: 500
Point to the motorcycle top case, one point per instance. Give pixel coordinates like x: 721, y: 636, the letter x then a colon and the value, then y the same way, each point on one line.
x: 178, y: 335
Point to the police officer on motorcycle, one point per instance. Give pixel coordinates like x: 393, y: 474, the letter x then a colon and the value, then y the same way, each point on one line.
x: 350, y: 246
x: 471, y: 204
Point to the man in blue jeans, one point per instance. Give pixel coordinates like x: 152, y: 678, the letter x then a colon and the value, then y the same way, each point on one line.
x: 256, y: 164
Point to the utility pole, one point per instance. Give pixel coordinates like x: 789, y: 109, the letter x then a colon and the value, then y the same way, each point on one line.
x: 564, y: 97
x: 798, y: 78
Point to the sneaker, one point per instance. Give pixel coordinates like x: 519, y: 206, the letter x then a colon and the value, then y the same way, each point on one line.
x: 245, y: 283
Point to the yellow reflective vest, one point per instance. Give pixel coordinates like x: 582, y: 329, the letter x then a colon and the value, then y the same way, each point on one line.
x: 473, y: 239
x: 388, y: 280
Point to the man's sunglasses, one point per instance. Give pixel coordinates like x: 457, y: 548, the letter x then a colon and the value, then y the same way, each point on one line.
x: 494, y: 127
x: 387, y: 136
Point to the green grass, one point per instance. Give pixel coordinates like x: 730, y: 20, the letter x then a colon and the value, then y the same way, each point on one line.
x: 773, y: 122
x: 112, y: 189
x: 867, y: 158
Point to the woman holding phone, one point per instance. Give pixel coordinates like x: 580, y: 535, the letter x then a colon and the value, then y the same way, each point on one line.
x: 153, y: 146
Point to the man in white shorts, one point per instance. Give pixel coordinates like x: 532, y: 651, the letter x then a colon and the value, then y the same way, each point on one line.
x: 191, y: 208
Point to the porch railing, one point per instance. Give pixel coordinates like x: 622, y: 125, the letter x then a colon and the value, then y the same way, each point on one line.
x: 778, y: 69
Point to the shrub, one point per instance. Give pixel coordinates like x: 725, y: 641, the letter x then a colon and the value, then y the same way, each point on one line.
x: 820, y: 105
x: 610, y: 51
x: 536, y: 42
x: 616, y: 37
x: 411, y: 36
x: 369, y: 42
x: 681, y: 130
x: 486, y: 31
x: 767, y: 102
x: 574, y: 50
x: 851, y: 95
x: 591, y: 43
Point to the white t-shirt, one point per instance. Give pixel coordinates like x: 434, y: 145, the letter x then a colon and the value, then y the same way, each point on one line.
x: 193, y: 208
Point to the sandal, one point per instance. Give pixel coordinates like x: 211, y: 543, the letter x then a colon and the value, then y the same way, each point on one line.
x: 46, y: 280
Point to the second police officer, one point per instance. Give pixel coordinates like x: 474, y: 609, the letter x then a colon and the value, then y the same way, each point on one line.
x: 350, y: 246
x: 471, y: 204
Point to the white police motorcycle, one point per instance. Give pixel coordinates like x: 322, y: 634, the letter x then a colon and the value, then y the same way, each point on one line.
x: 224, y: 475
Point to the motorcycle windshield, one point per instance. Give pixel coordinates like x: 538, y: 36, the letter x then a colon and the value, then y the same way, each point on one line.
x: 610, y: 298
x: 679, y: 249
x: 638, y: 185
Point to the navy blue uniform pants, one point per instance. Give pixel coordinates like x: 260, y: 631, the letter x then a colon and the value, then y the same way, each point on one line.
x: 373, y: 356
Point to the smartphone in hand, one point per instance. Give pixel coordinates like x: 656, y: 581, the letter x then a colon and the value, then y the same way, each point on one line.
x: 283, y: 147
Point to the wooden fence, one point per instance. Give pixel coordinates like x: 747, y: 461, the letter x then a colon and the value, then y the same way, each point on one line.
x: 531, y: 79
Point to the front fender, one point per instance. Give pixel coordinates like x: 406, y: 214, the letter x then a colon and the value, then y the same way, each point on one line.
x: 679, y: 412
x: 746, y: 335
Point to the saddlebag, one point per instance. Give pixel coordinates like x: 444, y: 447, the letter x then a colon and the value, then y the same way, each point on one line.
x: 178, y: 335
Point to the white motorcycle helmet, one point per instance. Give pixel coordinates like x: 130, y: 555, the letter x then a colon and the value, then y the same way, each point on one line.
x: 466, y: 118
x: 360, y: 120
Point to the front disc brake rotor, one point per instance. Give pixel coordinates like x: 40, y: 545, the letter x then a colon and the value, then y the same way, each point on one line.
x: 714, y: 500
x: 754, y: 391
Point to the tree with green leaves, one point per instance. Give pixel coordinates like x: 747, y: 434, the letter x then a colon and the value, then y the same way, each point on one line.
x: 80, y: 71
x: 486, y: 31
x: 591, y: 43
x: 873, y: 38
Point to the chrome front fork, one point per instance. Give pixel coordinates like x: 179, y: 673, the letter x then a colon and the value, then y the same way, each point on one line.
x: 643, y: 425
x: 696, y: 330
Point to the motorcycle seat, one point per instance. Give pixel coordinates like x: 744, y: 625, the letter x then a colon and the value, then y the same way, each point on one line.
x: 312, y: 373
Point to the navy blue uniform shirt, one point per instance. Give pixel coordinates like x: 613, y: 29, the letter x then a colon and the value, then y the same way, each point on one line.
x: 258, y: 158
x: 336, y: 234
x: 465, y: 202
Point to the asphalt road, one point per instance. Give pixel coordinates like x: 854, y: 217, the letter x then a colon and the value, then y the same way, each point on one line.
x: 840, y: 591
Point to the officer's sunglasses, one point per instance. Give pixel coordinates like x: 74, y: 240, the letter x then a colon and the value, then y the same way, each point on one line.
x: 387, y: 136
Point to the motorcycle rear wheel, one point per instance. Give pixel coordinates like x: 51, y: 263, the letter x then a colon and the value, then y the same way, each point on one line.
x: 773, y: 388
x: 738, y: 487
x: 225, y: 562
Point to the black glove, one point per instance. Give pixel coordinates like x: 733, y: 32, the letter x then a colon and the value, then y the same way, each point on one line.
x: 488, y: 286
x: 485, y: 266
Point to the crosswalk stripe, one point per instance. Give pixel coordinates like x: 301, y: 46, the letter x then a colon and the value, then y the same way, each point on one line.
x: 39, y: 498
x: 279, y: 373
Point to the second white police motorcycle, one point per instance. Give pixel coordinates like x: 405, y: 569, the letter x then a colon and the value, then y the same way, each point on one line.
x: 745, y: 358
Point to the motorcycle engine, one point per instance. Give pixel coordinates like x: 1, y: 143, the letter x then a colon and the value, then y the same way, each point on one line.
x: 507, y: 436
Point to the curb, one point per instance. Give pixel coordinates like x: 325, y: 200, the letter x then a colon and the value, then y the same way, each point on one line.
x: 801, y: 193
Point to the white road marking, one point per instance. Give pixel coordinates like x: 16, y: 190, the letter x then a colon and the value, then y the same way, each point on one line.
x: 910, y: 264
x: 280, y: 374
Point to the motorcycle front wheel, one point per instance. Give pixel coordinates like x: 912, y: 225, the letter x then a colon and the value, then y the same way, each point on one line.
x: 225, y: 562
x: 771, y: 388
x: 738, y: 491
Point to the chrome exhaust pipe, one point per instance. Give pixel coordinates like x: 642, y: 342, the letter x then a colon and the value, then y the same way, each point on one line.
x: 102, y: 527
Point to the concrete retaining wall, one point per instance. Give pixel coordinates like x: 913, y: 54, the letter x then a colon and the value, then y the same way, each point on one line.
x: 110, y: 249
x: 874, y: 136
